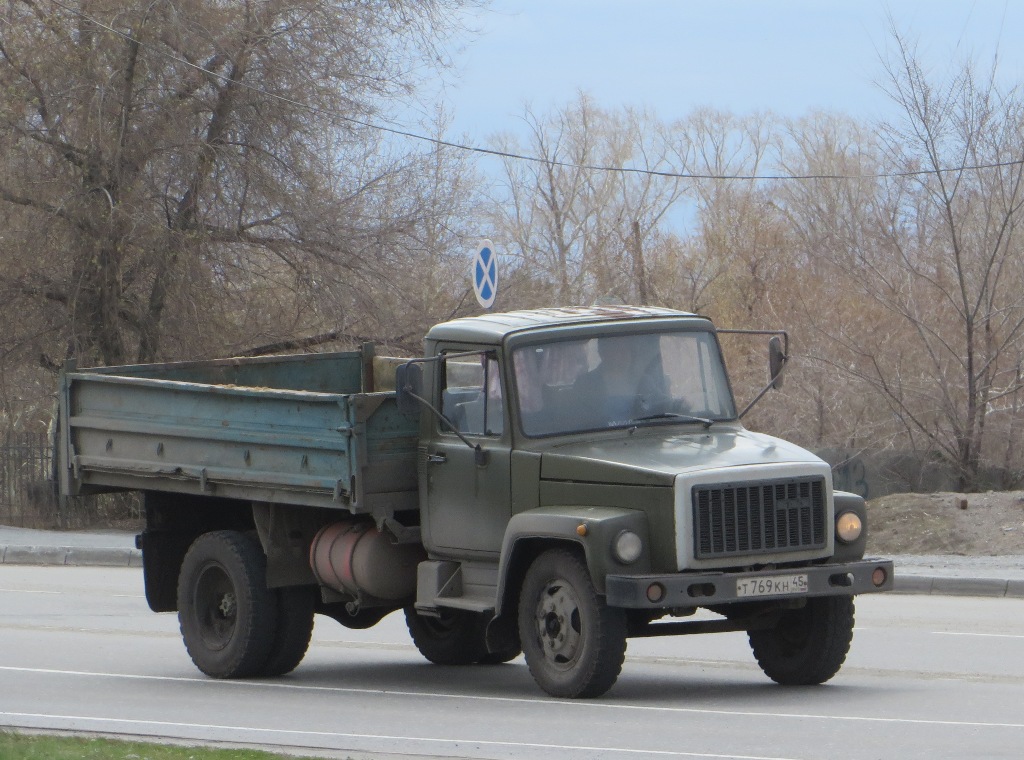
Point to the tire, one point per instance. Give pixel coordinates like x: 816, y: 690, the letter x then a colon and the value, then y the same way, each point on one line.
x: 809, y: 645
x: 574, y: 643
x: 293, y: 631
x: 226, y: 612
x: 455, y: 638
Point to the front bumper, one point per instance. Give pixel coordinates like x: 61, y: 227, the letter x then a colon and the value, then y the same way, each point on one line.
x: 703, y: 589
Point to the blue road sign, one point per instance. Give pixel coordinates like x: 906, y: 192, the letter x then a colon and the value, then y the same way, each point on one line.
x: 485, y: 274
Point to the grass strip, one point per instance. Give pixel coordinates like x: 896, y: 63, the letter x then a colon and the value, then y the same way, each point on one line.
x: 16, y: 746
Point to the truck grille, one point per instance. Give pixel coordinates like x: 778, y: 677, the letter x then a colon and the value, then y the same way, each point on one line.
x: 759, y: 518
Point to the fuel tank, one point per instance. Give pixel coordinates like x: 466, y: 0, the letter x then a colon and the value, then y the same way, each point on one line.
x: 355, y: 558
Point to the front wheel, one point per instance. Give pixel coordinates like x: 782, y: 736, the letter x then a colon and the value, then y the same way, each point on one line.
x: 809, y: 645
x: 574, y: 643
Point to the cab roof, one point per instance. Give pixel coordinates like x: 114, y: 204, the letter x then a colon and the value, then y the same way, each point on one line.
x: 492, y: 328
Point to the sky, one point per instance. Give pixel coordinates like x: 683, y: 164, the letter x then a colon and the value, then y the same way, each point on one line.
x: 791, y: 57
x: 743, y: 56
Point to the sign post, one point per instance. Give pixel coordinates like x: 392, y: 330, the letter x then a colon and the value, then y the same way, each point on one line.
x: 485, y: 274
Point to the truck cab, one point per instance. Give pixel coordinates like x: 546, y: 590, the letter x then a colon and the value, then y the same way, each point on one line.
x: 605, y: 443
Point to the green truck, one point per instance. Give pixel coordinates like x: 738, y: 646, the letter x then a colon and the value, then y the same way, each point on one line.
x: 549, y: 482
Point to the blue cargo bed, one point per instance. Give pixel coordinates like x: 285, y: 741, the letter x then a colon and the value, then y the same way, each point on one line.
x: 286, y: 429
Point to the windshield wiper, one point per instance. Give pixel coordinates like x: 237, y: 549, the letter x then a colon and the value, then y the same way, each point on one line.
x: 673, y: 416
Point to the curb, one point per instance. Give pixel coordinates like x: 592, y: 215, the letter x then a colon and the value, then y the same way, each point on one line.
x: 71, y: 556
x: 946, y: 586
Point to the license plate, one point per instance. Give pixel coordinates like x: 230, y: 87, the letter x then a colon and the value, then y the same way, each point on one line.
x: 771, y: 585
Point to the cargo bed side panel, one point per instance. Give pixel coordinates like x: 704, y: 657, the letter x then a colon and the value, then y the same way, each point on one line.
x: 347, y: 451
x: 322, y: 373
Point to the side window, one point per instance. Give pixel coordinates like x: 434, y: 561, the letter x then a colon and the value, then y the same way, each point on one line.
x: 471, y: 395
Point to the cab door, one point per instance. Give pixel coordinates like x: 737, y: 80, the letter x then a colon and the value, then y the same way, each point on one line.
x: 468, y: 495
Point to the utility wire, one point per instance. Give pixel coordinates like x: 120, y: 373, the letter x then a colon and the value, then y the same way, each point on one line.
x: 520, y: 157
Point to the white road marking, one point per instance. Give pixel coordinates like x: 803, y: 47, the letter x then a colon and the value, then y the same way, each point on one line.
x: 942, y: 633
x: 210, y: 683
x: 64, y: 591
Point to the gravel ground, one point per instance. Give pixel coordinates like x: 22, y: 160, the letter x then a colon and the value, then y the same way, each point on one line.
x: 970, y: 525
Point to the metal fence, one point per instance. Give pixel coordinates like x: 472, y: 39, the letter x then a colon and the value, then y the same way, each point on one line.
x: 28, y: 496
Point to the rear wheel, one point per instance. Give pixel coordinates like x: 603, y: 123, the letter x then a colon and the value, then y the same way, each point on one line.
x: 456, y: 637
x: 809, y: 645
x: 574, y: 643
x: 228, y: 616
x: 293, y: 631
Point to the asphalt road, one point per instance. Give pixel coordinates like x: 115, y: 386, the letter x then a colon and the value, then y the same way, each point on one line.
x: 928, y: 677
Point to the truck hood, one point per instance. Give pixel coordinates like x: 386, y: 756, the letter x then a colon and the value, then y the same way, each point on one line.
x: 650, y: 458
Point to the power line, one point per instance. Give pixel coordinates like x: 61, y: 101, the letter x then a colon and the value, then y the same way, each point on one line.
x: 520, y: 157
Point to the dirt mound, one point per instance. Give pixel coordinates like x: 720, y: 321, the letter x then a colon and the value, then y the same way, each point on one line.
x: 986, y: 524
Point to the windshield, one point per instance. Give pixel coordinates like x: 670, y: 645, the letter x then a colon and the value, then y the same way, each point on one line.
x: 620, y: 380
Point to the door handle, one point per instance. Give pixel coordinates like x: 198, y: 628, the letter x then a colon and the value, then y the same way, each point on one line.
x: 440, y: 458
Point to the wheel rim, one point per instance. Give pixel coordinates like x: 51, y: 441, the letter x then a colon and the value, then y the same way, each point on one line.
x: 216, y: 606
x: 559, y: 628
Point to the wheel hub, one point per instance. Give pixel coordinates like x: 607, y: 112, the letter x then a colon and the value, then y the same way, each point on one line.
x: 558, y: 623
x: 216, y: 607
x: 228, y: 605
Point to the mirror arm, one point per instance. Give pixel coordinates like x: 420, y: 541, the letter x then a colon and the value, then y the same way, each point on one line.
x: 481, y: 453
x: 757, y: 398
x: 785, y: 359
x: 444, y: 419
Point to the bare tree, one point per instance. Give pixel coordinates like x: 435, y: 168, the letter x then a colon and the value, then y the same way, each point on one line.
x: 829, y: 213
x: 579, y: 226
x: 740, y: 234
x: 417, y: 272
x: 544, y: 216
x: 172, y: 163
x: 934, y: 254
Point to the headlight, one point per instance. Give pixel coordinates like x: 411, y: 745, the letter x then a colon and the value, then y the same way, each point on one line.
x: 848, y: 527
x: 627, y: 547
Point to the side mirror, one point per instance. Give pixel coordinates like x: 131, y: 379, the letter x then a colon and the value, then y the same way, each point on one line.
x: 776, y: 361
x: 409, y: 387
